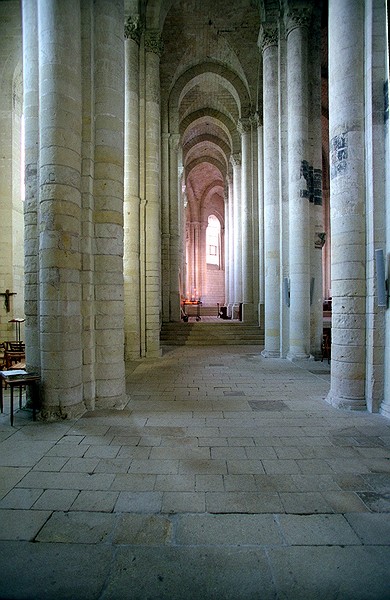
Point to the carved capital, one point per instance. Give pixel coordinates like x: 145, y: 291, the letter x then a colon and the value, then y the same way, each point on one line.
x: 153, y: 42
x: 297, y: 17
x: 268, y: 36
x: 235, y: 160
x: 244, y: 125
x: 133, y: 29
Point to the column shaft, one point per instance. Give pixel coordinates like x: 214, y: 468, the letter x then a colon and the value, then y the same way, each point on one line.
x: 31, y: 135
x: 299, y: 221
x: 272, y: 284
x: 247, y: 222
x: 346, y: 122
x: 132, y: 192
x: 108, y: 195
x: 152, y: 195
x: 236, y: 162
x: 60, y: 207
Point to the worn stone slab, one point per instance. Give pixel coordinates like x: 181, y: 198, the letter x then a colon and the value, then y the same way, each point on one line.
x: 304, y: 503
x: 77, y: 528
x: 178, y: 502
x: 96, y: 500
x: 243, y: 502
x: 317, y: 530
x: 193, y: 573
x: 60, y: 500
x: 144, y: 502
x: 353, y: 573
x: 371, y: 528
x: 67, y: 481
x: 59, y: 571
x: 222, y: 530
x: 20, y: 498
x: 21, y: 524
x: 144, y: 530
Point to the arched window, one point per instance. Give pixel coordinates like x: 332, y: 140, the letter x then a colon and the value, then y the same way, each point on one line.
x: 213, y: 241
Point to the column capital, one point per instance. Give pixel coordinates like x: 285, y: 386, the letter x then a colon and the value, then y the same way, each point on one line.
x: 244, y: 125
x: 235, y: 159
x: 295, y: 17
x: 133, y: 28
x: 268, y: 36
x: 153, y: 42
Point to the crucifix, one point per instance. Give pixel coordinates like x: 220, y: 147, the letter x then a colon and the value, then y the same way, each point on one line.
x: 7, y: 295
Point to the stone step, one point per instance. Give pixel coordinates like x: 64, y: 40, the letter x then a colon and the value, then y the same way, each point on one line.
x: 211, y: 334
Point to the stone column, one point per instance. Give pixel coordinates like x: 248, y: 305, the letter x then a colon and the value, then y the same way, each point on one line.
x: 237, y: 297
x: 245, y: 130
x: 87, y: 206
x: 297, y: 22
x: 132, y: 191
x: 227, y: 264
x: 347, y: 198
x: 109, y: 194
x: 230, y: 256
x: 315, y: 195
x: 272, y: 285
x: 31, y: 136
x: 260, y: 167
x: 153, y: 48
x: 174, y: 229
x: 60, y: 207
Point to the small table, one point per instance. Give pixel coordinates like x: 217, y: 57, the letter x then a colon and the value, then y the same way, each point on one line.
x: 19, y: 378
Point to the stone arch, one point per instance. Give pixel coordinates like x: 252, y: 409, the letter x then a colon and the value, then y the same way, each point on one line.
x: 209, y: 159
x: 226, y: 124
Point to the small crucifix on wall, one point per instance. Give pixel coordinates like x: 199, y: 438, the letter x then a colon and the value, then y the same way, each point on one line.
x: 7, y: 294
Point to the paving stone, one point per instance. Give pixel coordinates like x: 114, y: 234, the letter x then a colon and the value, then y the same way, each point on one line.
x: 377, y: 502
x: 243, y: 502
x: 143, y: 502
x: 51, y: 463
x: 77, y: 528
x: 178, y: 502
x: 317, y: 530
x: 355, y: 573
x: 20, y: 498
x: 342, y: 501
x: 209, y: 483
x: 144, y: 530
x: 21, y: 524
x: 133, y: 482
x: 223, y: 530
x: 371, y: 528
x: 95, y: 501
x: 191, y: 573
x: 304, y: 503
x: 175, y: 483
x: 59, y: 571
x: 60, y: 500
x: 66, y: 481
x: 379, y: 482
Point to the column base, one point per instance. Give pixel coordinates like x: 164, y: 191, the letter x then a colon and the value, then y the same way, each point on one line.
x: 270, y: 353
x: 385, y: 409
x: 298, y: 356
x: 346, y: 403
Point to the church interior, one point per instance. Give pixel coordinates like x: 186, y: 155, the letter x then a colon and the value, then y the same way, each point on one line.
x: 194, y: 299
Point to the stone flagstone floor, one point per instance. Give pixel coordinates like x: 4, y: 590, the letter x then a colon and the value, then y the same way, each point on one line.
x: 227, y: 475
